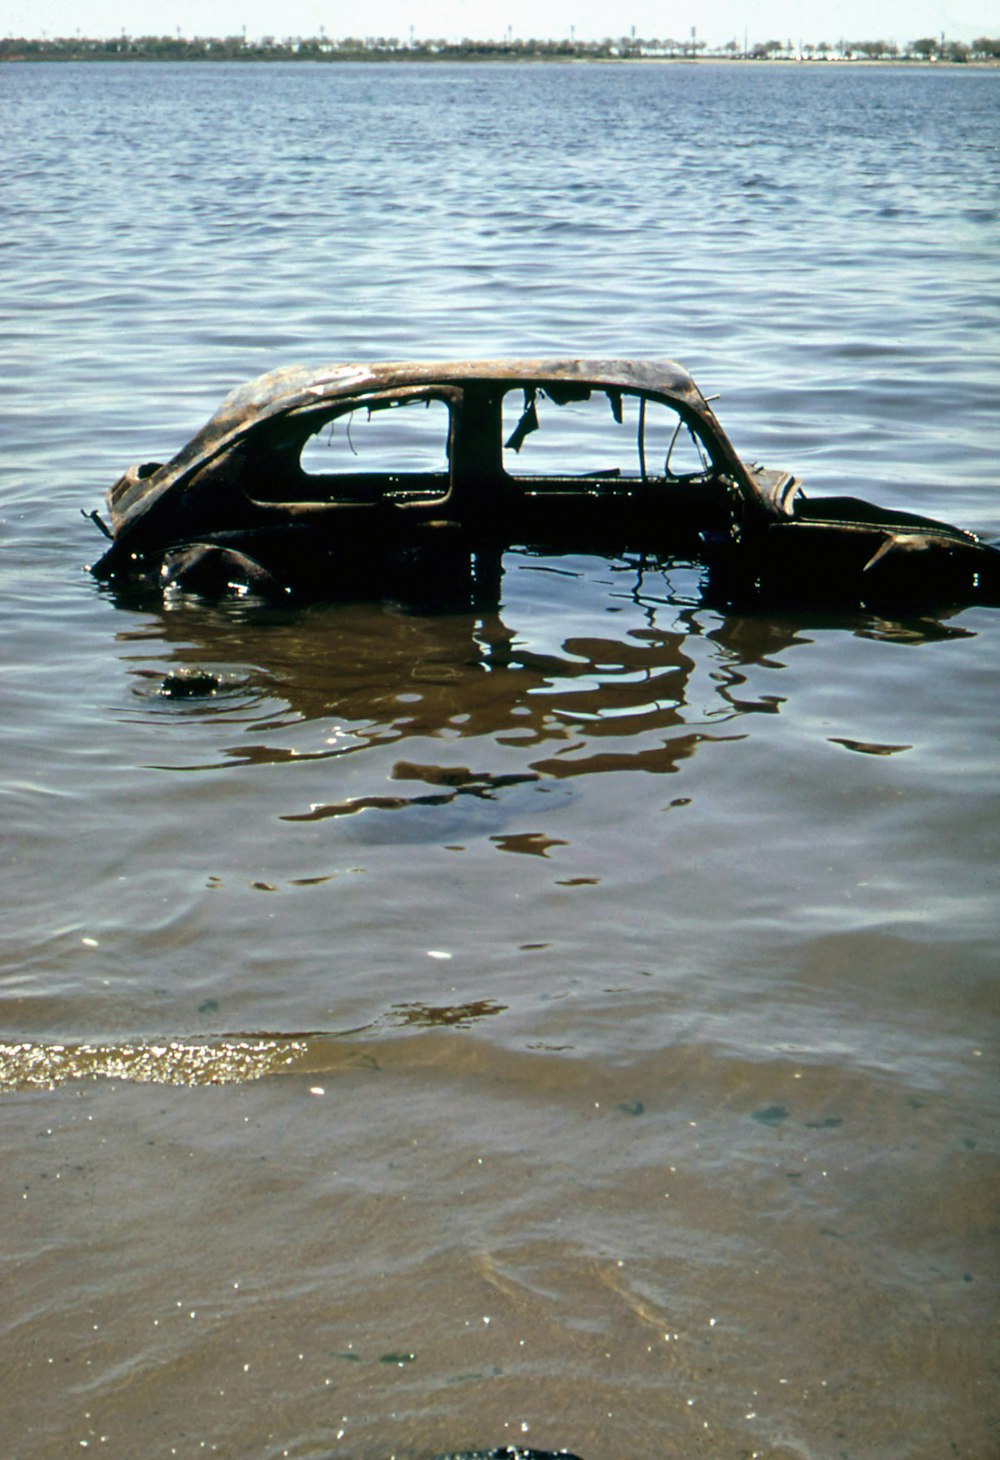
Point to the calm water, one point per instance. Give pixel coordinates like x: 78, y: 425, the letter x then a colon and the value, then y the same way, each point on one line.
x: 571, y: 1025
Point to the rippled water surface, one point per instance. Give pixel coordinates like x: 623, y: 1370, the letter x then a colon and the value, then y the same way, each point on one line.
x: 572, y: 1024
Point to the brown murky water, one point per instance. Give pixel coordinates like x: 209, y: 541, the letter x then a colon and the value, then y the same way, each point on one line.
x: 569, y: 1026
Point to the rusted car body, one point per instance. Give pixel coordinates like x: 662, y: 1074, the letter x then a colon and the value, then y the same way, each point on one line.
x: 363, y: 480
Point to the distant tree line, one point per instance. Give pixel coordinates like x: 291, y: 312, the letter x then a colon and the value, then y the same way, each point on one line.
x: 382, y: 48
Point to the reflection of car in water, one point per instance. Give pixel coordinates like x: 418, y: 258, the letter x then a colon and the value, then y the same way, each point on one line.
x: 372, y: 677
x: 608, y: 692
x: 472, y: 728
x: 365, y: 480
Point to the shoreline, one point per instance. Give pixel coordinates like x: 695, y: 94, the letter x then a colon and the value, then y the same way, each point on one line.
x: 320, y: 48
x: 409, y: 58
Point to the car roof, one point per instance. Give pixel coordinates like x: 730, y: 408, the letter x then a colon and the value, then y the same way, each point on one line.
x: 280, y: 388
x: 300, y: 388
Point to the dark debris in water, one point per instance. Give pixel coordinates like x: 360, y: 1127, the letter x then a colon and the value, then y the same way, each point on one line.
x: 455, y: 1015
x: 186, y: 682
x: 508, y: 1452
x: 771, y: 1115
x: 189, y: 684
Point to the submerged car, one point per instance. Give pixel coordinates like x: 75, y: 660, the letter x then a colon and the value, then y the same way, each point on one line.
x: 373, y: 479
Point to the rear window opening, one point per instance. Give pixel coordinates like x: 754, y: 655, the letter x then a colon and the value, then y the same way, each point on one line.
x: 393, y: 438
x: 578, y: 432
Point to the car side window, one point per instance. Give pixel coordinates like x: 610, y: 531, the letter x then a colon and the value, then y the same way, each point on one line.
x: 582, y: 432
x: 399, y: 436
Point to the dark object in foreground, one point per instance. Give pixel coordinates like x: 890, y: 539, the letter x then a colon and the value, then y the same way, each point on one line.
x: 509, y: 1452
x: 410, y: 480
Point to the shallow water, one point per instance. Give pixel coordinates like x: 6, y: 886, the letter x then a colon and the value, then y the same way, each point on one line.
x: 573, y: 1024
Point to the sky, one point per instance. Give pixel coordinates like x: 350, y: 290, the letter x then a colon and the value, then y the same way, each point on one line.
x: 716, y: 22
